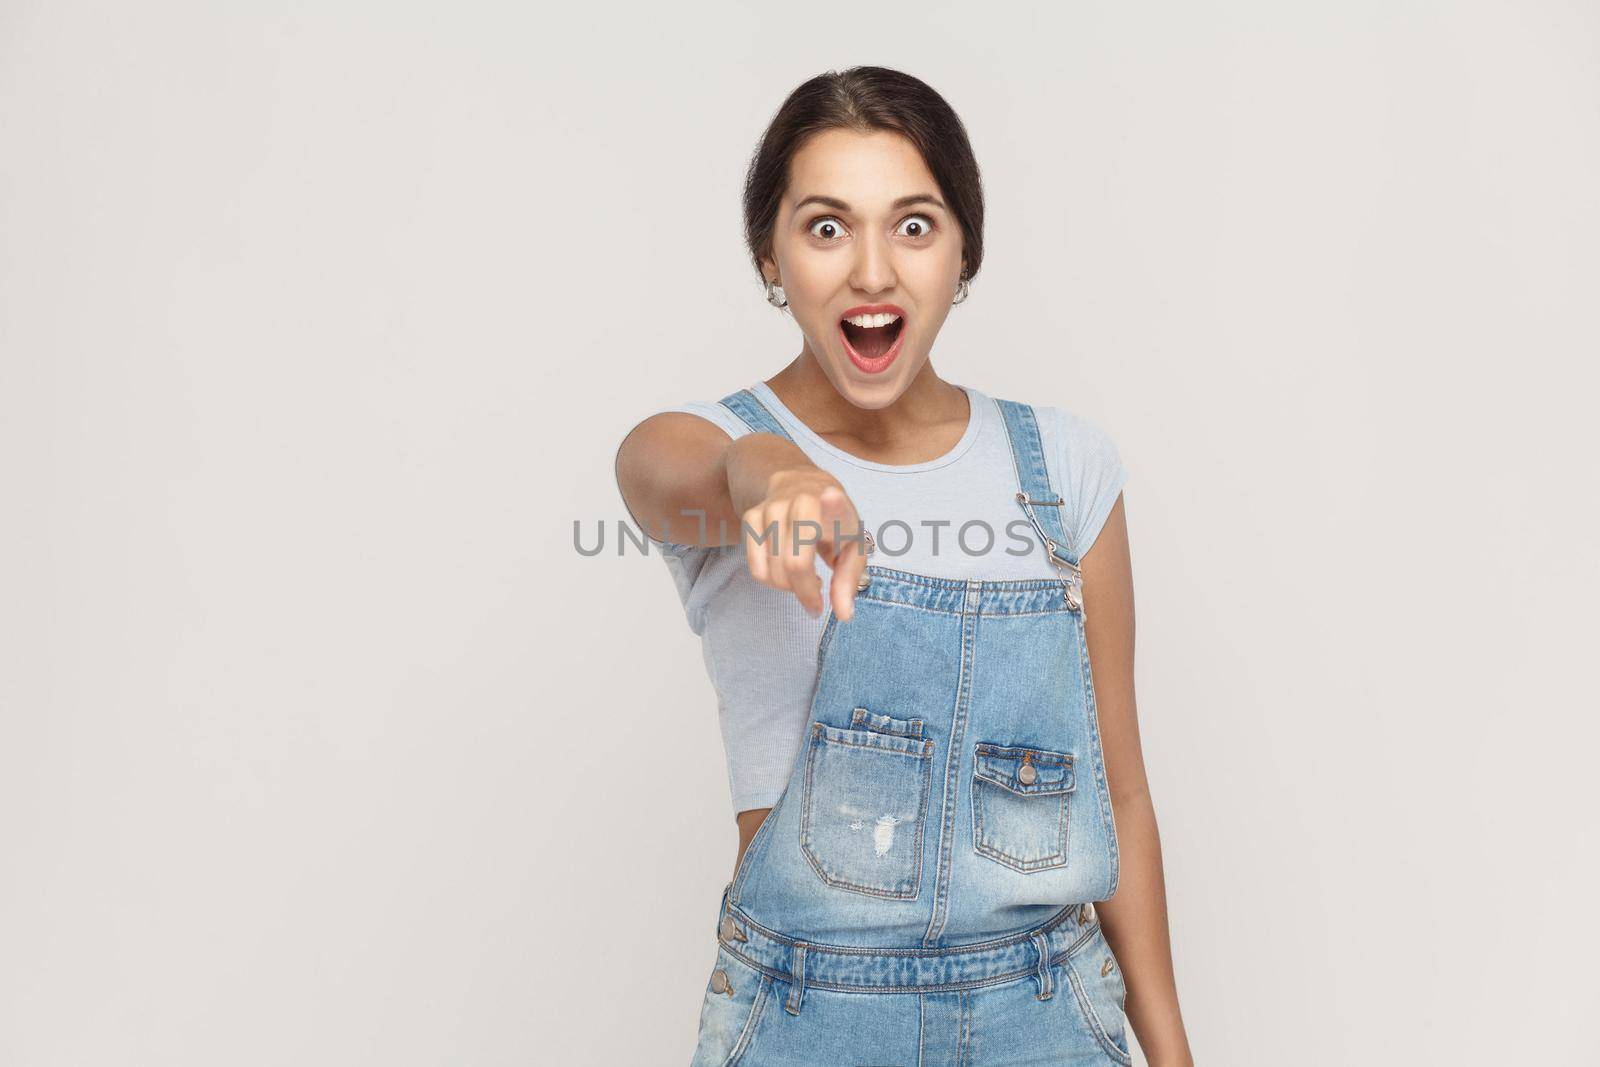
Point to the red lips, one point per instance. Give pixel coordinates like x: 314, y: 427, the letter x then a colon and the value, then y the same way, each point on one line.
x: 873, y: 349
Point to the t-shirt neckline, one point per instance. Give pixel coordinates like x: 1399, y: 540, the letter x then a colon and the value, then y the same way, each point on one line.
x: 800, y: 429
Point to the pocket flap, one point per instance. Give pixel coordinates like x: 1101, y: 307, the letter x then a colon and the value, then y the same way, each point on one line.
x: 886, y: 724
x: 1051, y: 772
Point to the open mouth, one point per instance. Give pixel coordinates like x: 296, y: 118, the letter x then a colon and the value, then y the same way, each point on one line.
x: 873, y: 340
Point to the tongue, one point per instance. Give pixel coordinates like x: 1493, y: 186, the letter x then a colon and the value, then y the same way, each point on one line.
x: 871, y: 342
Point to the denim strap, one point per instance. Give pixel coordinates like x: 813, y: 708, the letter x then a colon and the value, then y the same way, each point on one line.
x: 754, y: 414
x: 1033, y: 475
x: 1038, y: 497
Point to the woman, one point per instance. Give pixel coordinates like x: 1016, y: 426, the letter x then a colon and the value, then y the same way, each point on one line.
x: 948, y: 852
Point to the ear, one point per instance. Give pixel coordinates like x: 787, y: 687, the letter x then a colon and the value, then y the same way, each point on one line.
x: 769, y: 269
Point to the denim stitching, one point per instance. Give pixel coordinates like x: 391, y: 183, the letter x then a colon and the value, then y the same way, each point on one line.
x: 922, y: 1024
x: 1044, y: 609
x: 1016, y: 863
x: 1060, y: 918
x: 958, y: 731
x: 965, y: 1046
x: 1018, y: 599
x: 1057, y: 958
x: 827, y: 638
x: 742, y: 875
x: 807, y: 804
x: 1027, y: 971
x: 984, y: 786
x: 1016, y: 594
x: 861, y: 719
x: 876, y: 740
x: 1095, y: 1026
x: 747, y: 1033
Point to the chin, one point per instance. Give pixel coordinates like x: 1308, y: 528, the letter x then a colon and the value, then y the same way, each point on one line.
x: 875, y: 390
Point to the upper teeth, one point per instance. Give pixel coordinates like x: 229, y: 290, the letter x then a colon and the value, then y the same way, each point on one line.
x: 872, y: 321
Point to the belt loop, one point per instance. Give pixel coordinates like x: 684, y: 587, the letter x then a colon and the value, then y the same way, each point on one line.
x: 722, y: 908
x: 797, y: 980
x: 1042, y: 946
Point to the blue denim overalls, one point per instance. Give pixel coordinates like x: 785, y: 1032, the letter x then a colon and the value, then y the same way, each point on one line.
x: 920, y: 893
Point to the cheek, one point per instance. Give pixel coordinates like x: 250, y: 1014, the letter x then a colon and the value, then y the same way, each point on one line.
x: 928, y: 320
x: 814, y: 274
x: 931, y: 276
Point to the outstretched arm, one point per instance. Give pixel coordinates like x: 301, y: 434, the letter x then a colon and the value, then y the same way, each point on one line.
x: 684, y: 480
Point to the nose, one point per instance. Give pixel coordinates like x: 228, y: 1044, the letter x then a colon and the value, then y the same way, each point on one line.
x: 873, y: 271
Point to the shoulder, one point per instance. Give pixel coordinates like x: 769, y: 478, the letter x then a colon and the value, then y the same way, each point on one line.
x: 1088, y: 466
x: 1066, y: 434
x: 1078, y: 438
x: 713, y: 412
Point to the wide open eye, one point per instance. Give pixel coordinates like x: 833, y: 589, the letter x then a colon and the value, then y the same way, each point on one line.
x: 832, y: 225
x: 923, y: 224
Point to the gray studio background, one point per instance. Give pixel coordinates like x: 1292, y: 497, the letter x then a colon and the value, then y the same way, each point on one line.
x: 320, y: 323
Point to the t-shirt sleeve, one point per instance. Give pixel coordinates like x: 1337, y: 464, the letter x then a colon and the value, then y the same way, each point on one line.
x: 1090, y: 473
x: 733, y: 426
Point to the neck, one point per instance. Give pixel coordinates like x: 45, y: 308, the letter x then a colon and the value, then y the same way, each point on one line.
x: 929, y: 400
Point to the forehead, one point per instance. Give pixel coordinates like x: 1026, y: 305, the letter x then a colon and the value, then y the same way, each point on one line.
x: 865, y: 170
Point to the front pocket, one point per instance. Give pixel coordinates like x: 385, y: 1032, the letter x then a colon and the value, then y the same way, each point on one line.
x: 1019, y: 805
x: 865, y: 719
x: 734, y: 1000
x: 1098, y: 987
x: 864, y: 805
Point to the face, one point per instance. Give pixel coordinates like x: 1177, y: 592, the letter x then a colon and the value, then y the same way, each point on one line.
x: 861, y: 224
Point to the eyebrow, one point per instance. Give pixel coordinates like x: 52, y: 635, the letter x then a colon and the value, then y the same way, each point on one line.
x: 840, y: 205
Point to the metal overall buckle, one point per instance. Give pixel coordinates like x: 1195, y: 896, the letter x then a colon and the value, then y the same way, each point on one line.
x: 1071, y: 575
x: 1072, y: 579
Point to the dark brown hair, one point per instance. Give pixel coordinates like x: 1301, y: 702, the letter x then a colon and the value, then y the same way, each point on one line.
x: 866, y: 99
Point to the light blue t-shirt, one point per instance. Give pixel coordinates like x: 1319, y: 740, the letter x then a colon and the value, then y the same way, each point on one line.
x: 759, y: 644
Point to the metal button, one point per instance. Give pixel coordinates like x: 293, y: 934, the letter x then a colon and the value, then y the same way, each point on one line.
x: 1027, y: 774
x: 731, y: 931
x: 864, y: 581
x: 1105, y: 968
x: 719, y: 981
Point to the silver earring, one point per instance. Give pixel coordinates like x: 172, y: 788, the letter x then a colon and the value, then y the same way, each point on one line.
x: 771, y: 285
x: 961, y: 292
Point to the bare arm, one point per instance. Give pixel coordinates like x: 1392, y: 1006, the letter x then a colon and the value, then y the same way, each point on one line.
x: 674, y: 466
x: 1135, y: 919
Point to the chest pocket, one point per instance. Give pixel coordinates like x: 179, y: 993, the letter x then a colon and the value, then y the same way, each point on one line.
x: 1020, y: 805
x: 865, y: 803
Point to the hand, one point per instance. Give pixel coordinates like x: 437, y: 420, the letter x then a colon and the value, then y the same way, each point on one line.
x: 798, y: 518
